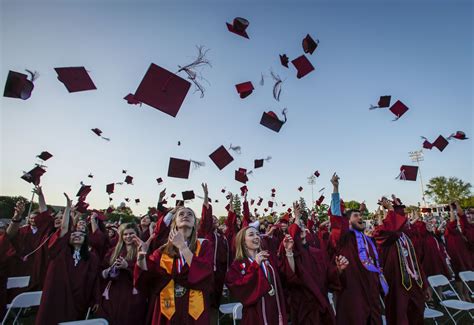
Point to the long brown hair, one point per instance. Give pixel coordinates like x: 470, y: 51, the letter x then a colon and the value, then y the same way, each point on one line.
x: 169, y: 248
x: 240, y: 249
x: 132, y: 253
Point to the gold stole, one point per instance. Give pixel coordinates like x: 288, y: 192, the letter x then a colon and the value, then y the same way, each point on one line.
x: 167, y: 303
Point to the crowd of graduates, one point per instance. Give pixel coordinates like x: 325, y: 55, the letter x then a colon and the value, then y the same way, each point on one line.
x: 172, y: 267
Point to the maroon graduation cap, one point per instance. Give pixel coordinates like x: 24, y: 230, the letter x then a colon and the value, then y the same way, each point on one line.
x: 99, y: 132
x: 137, y: 201
x: 258, y: 163
x: 459, y: 135
x: 398, y: 109
x: 221, y: 157
x: 241, y: 175
x: 179, y: 168
x: 44, y: 155
x: 18, y: 85
x: 440, y: 143
x: 128, y: 179
x: 303, y: 66
x: 188, y: 195
x: 270, y: 120
x: 110, y: 188
x: 427, y: 144
x: 320, y: 200
x: 316, y: 173
x: 34, y: 175
x: 75, y: 79
x: 384, y: 101
x: 83, y: 192
x: 159, y: 180
x: 243, y: 190
x: 130, y: 98
x: 163, y: 90
x: 408, y: 173
x: 244, y: 89
x: 239, y: 26
x: 309, y: 45
x: 284, y: 60
x: 300, y: 188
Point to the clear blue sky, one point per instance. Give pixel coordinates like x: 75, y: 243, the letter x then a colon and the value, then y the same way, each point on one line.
x: 420, y: 52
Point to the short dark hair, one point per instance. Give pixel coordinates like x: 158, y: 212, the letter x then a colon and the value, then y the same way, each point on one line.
x: 348, y: 213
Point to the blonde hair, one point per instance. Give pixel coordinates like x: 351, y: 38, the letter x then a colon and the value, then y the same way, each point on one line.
x: 240, y: 249
x: 132, y: 253
x: 169, y: 248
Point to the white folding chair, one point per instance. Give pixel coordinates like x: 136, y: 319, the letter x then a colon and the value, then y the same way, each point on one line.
x: 225, y: 309
x: 457, y: 304
x: 237, y: 312
x: 23, y: 300
x: 97, y: 321
x: 18, y: 282
x: 432, y: 313
x: 467, y: 276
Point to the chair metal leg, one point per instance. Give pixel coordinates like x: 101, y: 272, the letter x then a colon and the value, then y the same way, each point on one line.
x: 17, y: 316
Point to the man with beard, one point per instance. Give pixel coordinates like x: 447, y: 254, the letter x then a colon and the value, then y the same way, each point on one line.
x: 358, y: 301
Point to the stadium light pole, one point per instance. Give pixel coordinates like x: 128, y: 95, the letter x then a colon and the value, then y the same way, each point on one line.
x: 417, y: 156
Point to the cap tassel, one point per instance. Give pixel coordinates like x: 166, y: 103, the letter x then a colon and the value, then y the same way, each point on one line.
x: 322, y: 189
x: 34, y: 75
x: 199, y: 62
x: 276, y: 86
x: 401, y: 176
x: 107, y: 139
x: 372, y: 107
x: 197, y: 164
x: 236, y: 149
x: 268, y: 158
x: 262, y: 80
x: 285, y: 110
x: 396, y: 119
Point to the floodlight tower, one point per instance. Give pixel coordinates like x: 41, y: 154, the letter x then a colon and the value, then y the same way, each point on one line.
x: 417, y: 156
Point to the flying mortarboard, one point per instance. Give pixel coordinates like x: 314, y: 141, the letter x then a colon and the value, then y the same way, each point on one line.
x: 427, y: 144
x: 316, y: 173
x: 398, y: 109
x: 90, y: 176
x: 179, y: 168
x: 408, y: 173
x: 300, y: 188
x: 34, y: 175
x: 309, y: 45
x: 159, y: 180
x: 137, y: 201
x: 459, y: 135
x: 284, y: 60
x: 44, y: 155
x: 303, y: 66
x: 130, y: 98
x: 384, y: 101
x: 188, y: 195
x: 110, y: 188
x: 83, y: 192
x: 241, y: 176
x: 221, y: 157
x: 440, y: 143
x: 128, y: 180
x: 320, y: 200
x: 98, y: 132
x: 75, y: 79
x: 239, y: 26
x: 18, y: 85
x: 243, y: 190
x: 270, y: 204
x: 270, y: 120
x: 244, y: 89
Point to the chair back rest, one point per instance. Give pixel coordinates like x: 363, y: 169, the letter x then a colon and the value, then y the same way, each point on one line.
x: 438, y: 280
x: 18, y: 282
x: 467, y: 276
x: 237, y: 312
x: 97, y: 321
x: 27, y: 299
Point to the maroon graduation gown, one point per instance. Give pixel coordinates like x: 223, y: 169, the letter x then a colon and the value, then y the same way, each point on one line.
x: 121, y: 303
x: 457, y: 248
x: 358, y: 300
x: 310, y: 283
x: 220, y: 254
x: 402, y: 306
x: 433, y: 260
x: 247, y: 283
x: 99, y: 242
x: 7, y: 252
x: 68, y: 290
x: 199, y: 277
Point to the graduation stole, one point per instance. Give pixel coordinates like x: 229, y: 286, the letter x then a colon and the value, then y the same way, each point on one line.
x: 366, y: 260
x: 167, y: 294
x: 406, y: 254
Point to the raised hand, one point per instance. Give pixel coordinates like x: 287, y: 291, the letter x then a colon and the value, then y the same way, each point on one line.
x: 162, y: 195
x: 288, y: 243
x: 121, y: 263
x: 341, y: 263
x: 204, y: 188
x: 177, y: 239
x: 38, y: 190
x: 335, y: 180
x: 261, y: 257
x: 68, y: 200
x: 19, y: 209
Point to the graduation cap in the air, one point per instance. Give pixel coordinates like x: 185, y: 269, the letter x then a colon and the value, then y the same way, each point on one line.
x: 34, y: 175
x: 221, y: 157
x: 320, y: 200
x: 159, y: 180
x: 316, y: 173
x: 384, y: 101
x: 284, y: 60
x: 440, y: 143
x: 408, y: 173
x: 270, y: 120
x: 137, y: 201
x: 303, y: 66
x: 243, y: 190
x: 129, y: 180
x: 110, y: 188
x: 241, y: 175
x: 244, y: 89
x: 239, y: 26
x: 309, y: 45
x: 258, y: 163
x: 179, y: 168
x: 18, y: 85
x: 99, y: 132
x: 188, y: 195
x: 300, y: 188
x: 75, y: 79
x: 398, y: 109
x: 83, y: 192
x: 459, y: 135
x: 130, y: 98
x: 44, y: 155
x: 427, y: 144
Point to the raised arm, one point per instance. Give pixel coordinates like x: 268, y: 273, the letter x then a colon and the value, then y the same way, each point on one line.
x: 66, y: 217
x: 246, y: 212
x: 41, y: 201
x: 14, y: 225
x: 206, y: 224
x: 159, y: 204
x: 335, y: 198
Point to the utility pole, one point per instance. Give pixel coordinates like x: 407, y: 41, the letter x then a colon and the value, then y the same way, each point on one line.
x: 417, y: 156
x: 312, y: 182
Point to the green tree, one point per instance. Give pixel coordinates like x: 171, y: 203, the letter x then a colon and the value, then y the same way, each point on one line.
x: 7, y: 206
x: 237, y: 205
x: 122, y: 214
x: 467, y: 202
x: 351, y: 205
x: 444, y: 191
x: 322, y: 211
